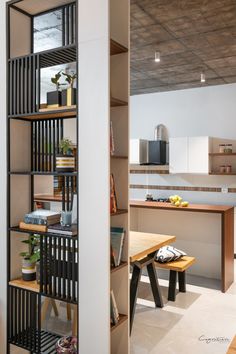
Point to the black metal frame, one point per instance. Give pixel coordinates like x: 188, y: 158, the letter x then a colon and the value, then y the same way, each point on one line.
x: 173, y: 282
x: 27, y: 102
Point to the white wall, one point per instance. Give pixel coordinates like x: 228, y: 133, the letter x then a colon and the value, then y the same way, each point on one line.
x: 194, y: 112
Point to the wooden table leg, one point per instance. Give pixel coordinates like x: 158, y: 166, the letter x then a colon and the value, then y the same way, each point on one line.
x: 136, y: 275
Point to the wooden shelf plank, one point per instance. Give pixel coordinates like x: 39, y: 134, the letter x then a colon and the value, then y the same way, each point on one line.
x: 45, y: 113
x: 222, y: 174
x: 117, y: 48
x: 122, y: 319
x: 119, y: 157
x: 115, y: 102
x: 37, y: 173
x: 24, y: 231
x: 222, y: 154
x: 119, y: 212
x: 121, y: 266
x: 27, y: 285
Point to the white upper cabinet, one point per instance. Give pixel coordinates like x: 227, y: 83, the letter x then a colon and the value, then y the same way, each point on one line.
x: 189, y: 155
x: 178, y: 148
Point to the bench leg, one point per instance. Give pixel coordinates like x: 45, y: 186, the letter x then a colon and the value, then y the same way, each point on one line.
x: 155, y: 285
x: 182, y: 282
x: 172, y: 285
x: 136, y: 275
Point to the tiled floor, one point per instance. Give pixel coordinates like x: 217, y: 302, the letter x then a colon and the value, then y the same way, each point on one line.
x: 201, y: 321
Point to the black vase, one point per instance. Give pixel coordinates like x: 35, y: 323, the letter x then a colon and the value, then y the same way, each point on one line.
x: 69, y: 97
x: 54, y: 99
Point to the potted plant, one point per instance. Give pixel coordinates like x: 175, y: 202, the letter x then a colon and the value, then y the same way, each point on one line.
x: 30, y: 258
x: 65, y: 161
x: 69, y: 95
x: 54, y: 97
x: 67, y: 345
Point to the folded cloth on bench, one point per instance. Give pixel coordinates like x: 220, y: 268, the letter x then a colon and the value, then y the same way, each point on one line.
x: 168, y: 254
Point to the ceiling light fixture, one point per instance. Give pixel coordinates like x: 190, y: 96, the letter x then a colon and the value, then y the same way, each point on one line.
x: 203, y: 77
x: 157, y: 57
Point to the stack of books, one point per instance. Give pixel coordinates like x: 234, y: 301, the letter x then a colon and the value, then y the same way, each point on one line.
x: 63, y: 230
x: 114, y: 310
x: 39, y: 220
x: 117, y: 242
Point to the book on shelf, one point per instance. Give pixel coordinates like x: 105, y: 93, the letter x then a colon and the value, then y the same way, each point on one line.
x: 112, y: 144
x: 114, y: 309
x: 113, y: 263
x: 63, y: 230
x: 42, y: 217
x: 33, y: 227
x: 113, y: 199
x: 117, y: 242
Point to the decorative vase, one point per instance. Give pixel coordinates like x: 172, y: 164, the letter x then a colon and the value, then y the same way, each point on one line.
x: 67, y: 345
x: 69, y: 97
x: 28, y: 270
x: 65, y: 163
x: 53, y: 99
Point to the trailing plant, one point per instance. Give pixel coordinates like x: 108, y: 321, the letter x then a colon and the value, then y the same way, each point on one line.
x: 65, y: 146
x: 33, y: 254
x: 55, y: 80
x: 70, y: 78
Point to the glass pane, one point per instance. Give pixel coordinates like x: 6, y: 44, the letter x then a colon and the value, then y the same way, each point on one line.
x: 48, y: 31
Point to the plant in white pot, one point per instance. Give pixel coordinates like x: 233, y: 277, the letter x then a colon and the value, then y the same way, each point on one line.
x: 69, y: 95
x: 65, y: 161
x: 30, y: 258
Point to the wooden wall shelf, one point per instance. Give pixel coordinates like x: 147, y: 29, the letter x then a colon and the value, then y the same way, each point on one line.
x: 17, y: 229
x: 119, y: 157
x: 120, y: 211
x: 117, y: 48
x: 38, y: 173
x: 222, y: 154
x: 222, y: 174
x: 123, y: 318
x: 122, y: 265
x: 27, y: 285
x: 115, y: 102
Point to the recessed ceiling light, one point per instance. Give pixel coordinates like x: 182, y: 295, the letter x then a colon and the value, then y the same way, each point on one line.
x: 203, y: 77
x: 157, y: 57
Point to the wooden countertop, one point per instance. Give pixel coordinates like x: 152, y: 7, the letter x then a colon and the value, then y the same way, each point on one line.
x: 204, y: 208
x: 143, y: 243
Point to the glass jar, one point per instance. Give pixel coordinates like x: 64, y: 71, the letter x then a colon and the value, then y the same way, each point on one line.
x: 228, y: 169
x: 67, y: 345
x: 221, y: 148
x: 228, y: 149
x: 222, y: 169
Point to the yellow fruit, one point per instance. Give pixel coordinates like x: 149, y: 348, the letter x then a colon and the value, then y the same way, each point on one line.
x: 177, y: 204
x: 184, y: 204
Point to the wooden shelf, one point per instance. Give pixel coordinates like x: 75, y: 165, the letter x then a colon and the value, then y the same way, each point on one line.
x: 222, y: 154
x: 122, y: 319
x: 47, y: 198
x: 117, y: 48
x: 119, y: 212
x: 115, y: 102
x: 222, y: 174
x: 27, y: 285
x: 37, y: 173
x: 122, y: 265
x: 119, y: 157
x: 24, y: 231
x: 45, y: 113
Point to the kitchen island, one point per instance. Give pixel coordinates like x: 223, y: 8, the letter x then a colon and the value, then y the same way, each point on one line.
x: 205, y: 231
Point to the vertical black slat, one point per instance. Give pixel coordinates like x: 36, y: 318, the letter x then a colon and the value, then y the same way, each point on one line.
x: 63, y: 194
x: 74, y: 20
x: 10, y: 87
x: 18, y: 86
x: 22, y: 85
x: 67, y: 193
x: 72, y: 23
x: 29, y: 85
x: 73, y: 270
x: 46, y: 146
x: 23, y: 318
x: 50, y: 266
x: 38, y: 84
x: 43, y: 144
x: 61, y: 129
x: 35, y: 145
x: 27, y: 317
x: 63, y: 27
x: 26, y: 85
x: 39, y: 145
x: 33, y: 75
x: 11, y: 311
x: 33, y: 320
x: 49, y: 146
x: 64, y: 275
x: 69, y: 250
x: 58, y: 135
x: 72, y: 192
x: 41, y: 282
x: 45, y: 266
x: 39, y: 322
x: 67, y: 26
x: 15, y: 312
x: 55, y: 268
x: 20, y: 317
x: 14, y: 88
x: 54, y: 144
x: 59, y: 267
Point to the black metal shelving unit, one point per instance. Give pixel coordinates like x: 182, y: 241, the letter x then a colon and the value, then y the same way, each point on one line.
x: 58, y: 253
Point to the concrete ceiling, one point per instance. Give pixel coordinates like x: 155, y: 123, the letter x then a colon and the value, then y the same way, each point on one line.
x: 193, y: 36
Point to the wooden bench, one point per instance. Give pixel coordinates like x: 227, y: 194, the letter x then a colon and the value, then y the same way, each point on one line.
x: 232, y: 347
x: 179, y: 266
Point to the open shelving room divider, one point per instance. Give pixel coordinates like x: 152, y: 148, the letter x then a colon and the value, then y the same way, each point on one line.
x: 80, y: 272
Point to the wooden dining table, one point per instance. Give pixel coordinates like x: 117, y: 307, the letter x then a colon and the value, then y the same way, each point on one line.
x: 142, y: 252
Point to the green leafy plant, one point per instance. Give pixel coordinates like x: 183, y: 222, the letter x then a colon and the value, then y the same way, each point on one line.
x: 55, y: 80
x: 33, y: 254
x: 65, y: 146
x: 70, y: 78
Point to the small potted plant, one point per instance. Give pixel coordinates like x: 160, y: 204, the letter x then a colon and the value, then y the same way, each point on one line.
x: 67, y: 345
x: 54, y: 97
x: 65, y: 161
x: 30, y: 258
x: 69, y: 95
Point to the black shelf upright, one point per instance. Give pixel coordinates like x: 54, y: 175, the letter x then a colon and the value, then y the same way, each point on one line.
x: 59, y: 254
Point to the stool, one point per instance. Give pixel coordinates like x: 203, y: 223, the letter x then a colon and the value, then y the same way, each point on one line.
x: 177, y: 267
